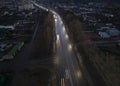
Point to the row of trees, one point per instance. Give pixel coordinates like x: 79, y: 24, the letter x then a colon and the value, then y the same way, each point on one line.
x: 48, y: 34
x: 105, y: 63
x: 43, y: 42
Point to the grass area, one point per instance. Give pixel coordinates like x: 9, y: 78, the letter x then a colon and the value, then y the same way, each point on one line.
x: 33, y: 77
x: 5, y: 79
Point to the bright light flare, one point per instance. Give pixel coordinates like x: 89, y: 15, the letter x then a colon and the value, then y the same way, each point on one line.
x: 63, y: 29
x: 78, y: 74
x: 69, y: 47
x: 54, y: 16
x: 58, y: 37
x: 55, y: 20
x: 61, y: 21
x: 66, y: 36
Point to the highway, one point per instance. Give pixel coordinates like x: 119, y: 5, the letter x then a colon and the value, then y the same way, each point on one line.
x: 65, y: 60
x: 67, y: 64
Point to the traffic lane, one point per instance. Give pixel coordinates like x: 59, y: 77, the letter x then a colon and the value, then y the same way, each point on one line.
x: 65, y: 54
x: 60, y: 26
x: 75, y: 72
x: 73, y: 60
x: 62, y: 64
x: 69, y: 64
x: 78, y: 71
x: 62, y: 53
x: 73, y: 63
x: 59, y: 62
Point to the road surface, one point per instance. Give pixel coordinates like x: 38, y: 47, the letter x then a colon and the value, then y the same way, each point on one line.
x: 65, y: 59
x: 67, y: 64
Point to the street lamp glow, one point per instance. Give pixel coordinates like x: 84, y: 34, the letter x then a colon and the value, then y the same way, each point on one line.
x: 55, y: 20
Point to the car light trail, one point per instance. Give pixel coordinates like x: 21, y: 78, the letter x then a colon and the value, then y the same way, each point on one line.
x: 62, y: 82
x: 58, y: 40
x: 67, y: 74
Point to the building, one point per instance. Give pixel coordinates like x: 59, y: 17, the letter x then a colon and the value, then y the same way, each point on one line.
x: 26, y: 6
x: 113, y: 32
x: 11, y: 27
x: 104, y: 35
x: 7, y: 3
